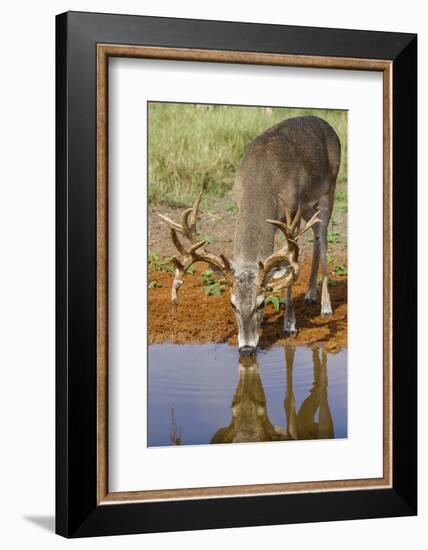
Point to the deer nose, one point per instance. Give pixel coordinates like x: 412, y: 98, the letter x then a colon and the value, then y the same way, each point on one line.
x: 246, y: 351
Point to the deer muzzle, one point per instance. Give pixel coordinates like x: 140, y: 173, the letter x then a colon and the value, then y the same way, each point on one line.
x: 247, y: 351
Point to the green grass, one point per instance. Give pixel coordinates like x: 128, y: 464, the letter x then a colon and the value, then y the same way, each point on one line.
x: 159, y: 263
x: 195, y: 146
x: 333, y: 237
x: 340, y: 199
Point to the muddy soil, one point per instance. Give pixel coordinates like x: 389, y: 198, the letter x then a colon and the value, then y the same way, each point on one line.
x: 202, y: 319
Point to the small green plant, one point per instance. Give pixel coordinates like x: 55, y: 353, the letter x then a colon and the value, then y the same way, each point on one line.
x: 208, y: 277
x: 207, y: 238
x: 340, y: 201
x: 333, y: 237
x: 232, y: 208
x: 276, y: 301
x: 330, y: 282
x: 154, y: 284
x: 329, y: 258
x: 340, y: 270
x: 160, y: 264
x: 212, y: 287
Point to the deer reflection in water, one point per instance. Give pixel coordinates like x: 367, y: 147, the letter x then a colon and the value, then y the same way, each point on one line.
x: 250, y: 421
x: 303, y: 425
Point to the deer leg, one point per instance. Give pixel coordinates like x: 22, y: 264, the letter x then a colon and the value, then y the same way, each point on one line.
x: 306, y: 416
x: 311, y: 294
x: 325, y: 424
x: 290, y: 400
x: 290, y: 317
x: 326, y: 308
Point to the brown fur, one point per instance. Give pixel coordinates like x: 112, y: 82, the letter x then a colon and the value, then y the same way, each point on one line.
x: 250, y: 420
x: 292, y: 165
x: 298, y: 158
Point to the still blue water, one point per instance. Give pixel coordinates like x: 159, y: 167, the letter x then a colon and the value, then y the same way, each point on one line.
x: 191, y: 389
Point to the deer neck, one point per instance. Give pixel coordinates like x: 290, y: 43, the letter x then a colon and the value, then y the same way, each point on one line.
x: 254, y: 237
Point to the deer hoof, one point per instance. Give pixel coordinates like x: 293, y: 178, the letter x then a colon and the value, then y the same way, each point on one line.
x: 311, y: 296
x: 326, y: 309
x: 290, y: 331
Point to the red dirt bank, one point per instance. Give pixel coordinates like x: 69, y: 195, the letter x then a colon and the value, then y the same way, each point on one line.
x: 201, y: 319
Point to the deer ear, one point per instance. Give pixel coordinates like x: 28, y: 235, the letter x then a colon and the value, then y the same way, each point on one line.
x: 217, y: 271
x: 278, y: 273
x: 275, y: 274
x: 223, y: 435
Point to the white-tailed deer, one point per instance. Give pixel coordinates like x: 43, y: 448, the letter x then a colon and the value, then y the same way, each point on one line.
x: 288, y: 173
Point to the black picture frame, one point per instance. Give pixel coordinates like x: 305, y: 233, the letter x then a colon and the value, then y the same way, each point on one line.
x: 77, y: 511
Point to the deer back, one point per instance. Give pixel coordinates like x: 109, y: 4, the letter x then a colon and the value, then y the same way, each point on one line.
x: 298, y: 159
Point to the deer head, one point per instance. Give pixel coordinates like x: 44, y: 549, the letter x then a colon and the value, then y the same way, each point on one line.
x: 249, y: 284
x: 250, y: 421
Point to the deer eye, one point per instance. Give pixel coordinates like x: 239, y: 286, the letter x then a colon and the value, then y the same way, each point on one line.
x: 261, y: 305
x: 233, y: 305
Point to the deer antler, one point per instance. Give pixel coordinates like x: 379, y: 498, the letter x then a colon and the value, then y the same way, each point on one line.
x: 187, y: 226
x: 195, y: 253
x: 289, y: 251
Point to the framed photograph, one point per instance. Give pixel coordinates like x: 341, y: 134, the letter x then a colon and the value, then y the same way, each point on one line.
x: 236, y: 274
